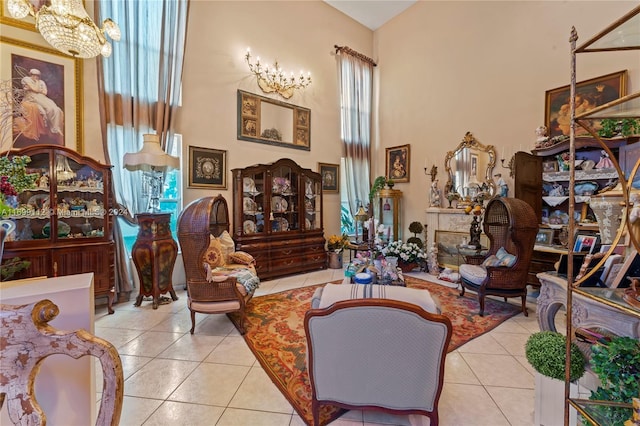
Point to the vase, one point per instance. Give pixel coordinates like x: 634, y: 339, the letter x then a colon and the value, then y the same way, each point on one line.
x: 407, y: 266
x: 608, y: 211
x: 335, y: 260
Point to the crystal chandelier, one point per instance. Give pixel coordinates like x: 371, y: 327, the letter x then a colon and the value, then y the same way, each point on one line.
x: 274, y: 79
x: 67, y: 27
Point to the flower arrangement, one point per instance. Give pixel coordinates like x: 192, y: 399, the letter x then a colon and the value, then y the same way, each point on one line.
x: 14, y: 179
x: 337, y: 242
x: 405, y: 252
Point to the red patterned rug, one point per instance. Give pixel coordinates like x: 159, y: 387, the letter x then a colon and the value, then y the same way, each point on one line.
x: 275, y: 334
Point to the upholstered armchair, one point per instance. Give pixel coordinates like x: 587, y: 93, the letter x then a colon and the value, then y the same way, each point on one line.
x: 511, y: 226
x: 220, y: 287
x: 376, y: 353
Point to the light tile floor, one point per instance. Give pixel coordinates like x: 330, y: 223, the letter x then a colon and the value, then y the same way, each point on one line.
x: 212, y: 378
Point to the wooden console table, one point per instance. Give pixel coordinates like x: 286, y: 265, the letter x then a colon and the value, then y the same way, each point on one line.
x: 586, y: 312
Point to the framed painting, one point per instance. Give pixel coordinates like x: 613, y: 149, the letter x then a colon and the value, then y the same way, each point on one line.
x: 550, y: 166
x: 589, y: 94
x: 398, y: 159
x: 545, y: 237
x: 207, y: 168
x: 330, y: 177
x: 47, y: 96
x: 474, y: 166
x: 448, y: 241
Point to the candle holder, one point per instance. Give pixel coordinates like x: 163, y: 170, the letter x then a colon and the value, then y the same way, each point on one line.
x: 433, y: 172
x: 510, y: 165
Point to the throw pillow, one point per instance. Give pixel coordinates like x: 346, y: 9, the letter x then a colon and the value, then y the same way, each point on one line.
x: 242, y: 258
x: 228, y: 246
x: 492, y: 260
x: 213, y: 256
x: 505, y: 257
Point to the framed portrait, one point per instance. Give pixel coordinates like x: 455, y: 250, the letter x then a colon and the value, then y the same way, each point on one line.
x: 589, y: 94
x: 38, y: 118
x: 207, y: 168
x: 550, y: 166
x: 330, y: 177
x: 545, y: 237
x: 398, y: 159
x: 474, y: 166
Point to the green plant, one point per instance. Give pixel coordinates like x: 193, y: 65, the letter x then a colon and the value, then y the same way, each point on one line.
x: 13, y: 266
x: 610, y: 127
x: 416, y: 228
x: 617, y: 365
x: 546, y: 352
x: 378, y: 184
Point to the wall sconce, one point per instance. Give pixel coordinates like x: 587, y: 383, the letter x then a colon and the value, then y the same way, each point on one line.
x: 66, y: 26
x: 274, y: 79
x: 433, y: 172
x: 509, y: 164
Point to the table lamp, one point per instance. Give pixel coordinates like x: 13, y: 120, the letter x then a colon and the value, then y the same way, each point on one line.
x: 154, y: 252
x: 153, y: 161
x: 360, y: 216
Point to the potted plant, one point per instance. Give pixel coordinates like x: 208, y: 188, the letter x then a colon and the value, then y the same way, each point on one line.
x: 617, y: 365
x: 378, y: 184
x: 610, y: 127
x: 416, y: 228
x: 546, y: 352
x: 408, y: 254
x: 335, y: 245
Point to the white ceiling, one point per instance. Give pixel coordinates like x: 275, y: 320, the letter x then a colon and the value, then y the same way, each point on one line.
x: 372, y: 14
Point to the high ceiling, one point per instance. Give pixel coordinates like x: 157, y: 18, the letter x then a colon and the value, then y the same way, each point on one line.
x: 372, y: 14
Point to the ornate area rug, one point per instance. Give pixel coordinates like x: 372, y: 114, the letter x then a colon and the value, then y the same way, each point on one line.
x: 275, y: 334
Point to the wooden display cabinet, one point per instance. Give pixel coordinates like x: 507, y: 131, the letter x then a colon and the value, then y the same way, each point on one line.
x: 277, y: 217
x: 387, y: 210
x: 63, y: 224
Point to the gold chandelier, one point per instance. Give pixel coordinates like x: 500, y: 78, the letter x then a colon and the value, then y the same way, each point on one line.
x: 66, y: 26
x: 274, y: 79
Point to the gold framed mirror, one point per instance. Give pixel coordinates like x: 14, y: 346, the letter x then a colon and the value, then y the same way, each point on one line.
x: 272, y: 122
x: 469, y: 167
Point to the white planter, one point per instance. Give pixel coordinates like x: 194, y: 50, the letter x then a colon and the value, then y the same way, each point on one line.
x: 549, y: 402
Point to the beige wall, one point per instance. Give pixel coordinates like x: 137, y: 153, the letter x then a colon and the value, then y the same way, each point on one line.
x: 446, y: 68
x: 300, y: 35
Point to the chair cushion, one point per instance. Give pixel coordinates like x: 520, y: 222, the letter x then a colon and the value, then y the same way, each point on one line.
x: 241, y: 257
x: 214, y: 256
x: 506, y: 258
x: 332, y: 293
x: 227, y: 244
x: 473, y: 273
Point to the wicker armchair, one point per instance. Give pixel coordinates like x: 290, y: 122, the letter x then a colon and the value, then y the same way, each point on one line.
x: 208, y: 295
x: 511, y: 224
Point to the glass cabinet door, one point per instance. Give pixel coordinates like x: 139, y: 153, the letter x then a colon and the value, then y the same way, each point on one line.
x: 32, y: 207
x: 253, y: 203
x: 312, y: 206
x: 80, y: 200
x: 284, y: 199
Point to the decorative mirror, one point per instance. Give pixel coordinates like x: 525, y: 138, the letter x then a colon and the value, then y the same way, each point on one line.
x: 266, y: 120
x: 470, y: 167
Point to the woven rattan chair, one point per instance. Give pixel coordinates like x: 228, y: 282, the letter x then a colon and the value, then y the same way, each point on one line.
x: 511, y: 224
x: 197, y: 222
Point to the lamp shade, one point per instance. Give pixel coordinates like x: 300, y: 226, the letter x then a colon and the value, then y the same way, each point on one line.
x: 151, y: 157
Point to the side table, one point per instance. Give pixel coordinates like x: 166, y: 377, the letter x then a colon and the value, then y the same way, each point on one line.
x: 472, y: 255
x: 354, y: 247
x: 154, y: 254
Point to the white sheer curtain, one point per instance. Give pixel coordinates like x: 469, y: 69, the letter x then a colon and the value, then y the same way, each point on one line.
x: 355, y: 79
x: 139, y: 86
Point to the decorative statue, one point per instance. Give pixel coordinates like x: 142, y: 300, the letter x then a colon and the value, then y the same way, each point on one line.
x: 435, y: 194
x: 541, y: 136
x: 503, y: 188
x: 474, y: 233
x: 432, y: 259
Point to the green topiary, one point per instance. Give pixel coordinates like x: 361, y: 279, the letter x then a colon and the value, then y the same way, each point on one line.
x: 546, y: 352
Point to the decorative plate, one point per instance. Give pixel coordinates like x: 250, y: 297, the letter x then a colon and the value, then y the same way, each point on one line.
x: 248, y: 185
x: 307, y: 223
x: 281, y: 185
x: 249, y: 206
x: 588, y: 165
x: 38, y: 201
x: 558, y: 217
x: 249, y: 227
x: 282, y: 224
x: 63, y: 229
x: 308, y: 205
x: 279, y: 204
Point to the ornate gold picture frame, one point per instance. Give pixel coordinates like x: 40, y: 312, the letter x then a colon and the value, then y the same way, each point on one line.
x: 207, y: 168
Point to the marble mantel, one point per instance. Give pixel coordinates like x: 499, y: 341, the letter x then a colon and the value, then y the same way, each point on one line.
x: 446, y: 219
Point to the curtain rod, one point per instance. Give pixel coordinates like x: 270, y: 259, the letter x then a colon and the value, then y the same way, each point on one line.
x: 348, y: 50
